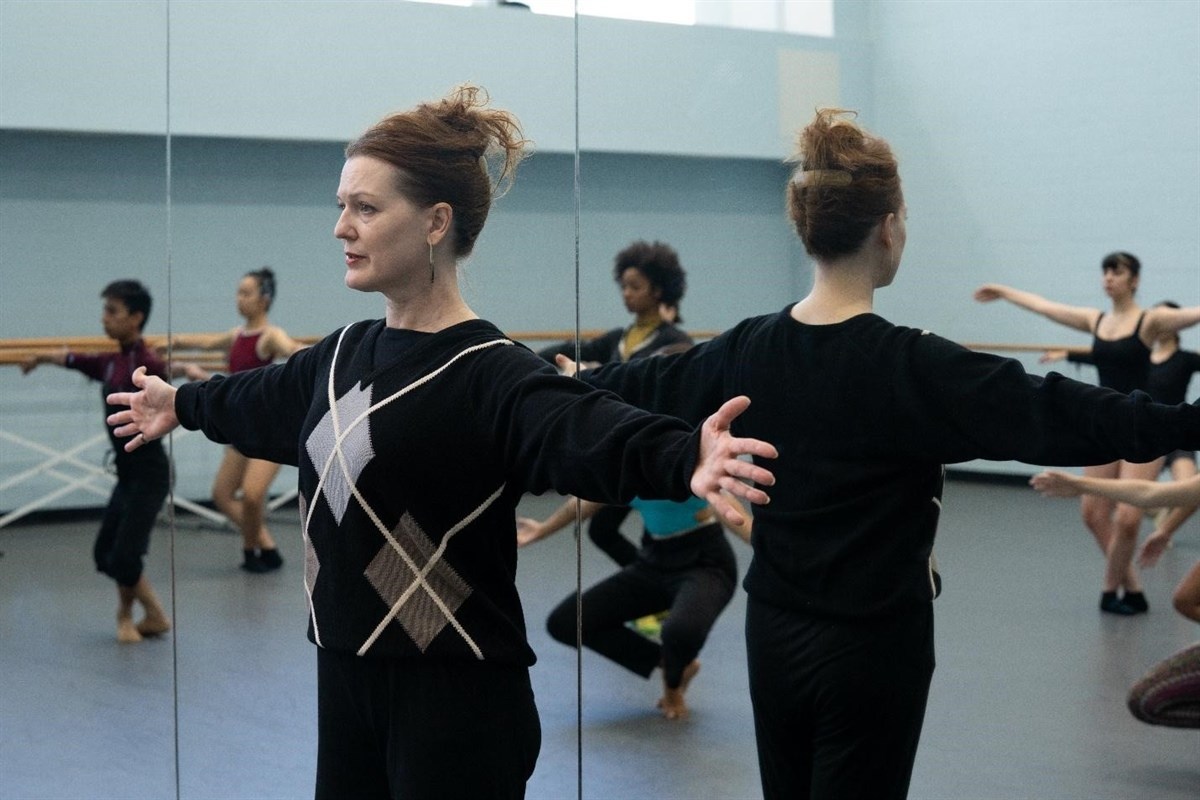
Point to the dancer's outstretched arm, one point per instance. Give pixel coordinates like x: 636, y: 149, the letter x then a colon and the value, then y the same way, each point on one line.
x: 1077, y: 317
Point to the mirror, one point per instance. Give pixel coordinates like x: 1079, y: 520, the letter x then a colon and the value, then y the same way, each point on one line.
x: 685, y: 150
x: 83, y: 187
x: 1011, y: 174
x: 264, y: 97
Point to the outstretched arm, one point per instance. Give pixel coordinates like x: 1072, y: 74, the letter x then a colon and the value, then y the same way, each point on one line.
x: 531, y: 530
x: 190, y: 370
x: 31, y: 363
x: 1160, y: 539
x: 151, y: 412
x: 278, y: 344
x: 1164, y: 319
x: 1077, y: 317
x: 1124, y: 490
x: 720, y: 467
x: 204, y: 341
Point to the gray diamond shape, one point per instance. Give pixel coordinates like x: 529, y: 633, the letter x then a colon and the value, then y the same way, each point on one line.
x: 356, y: 448
x: 421, y: 617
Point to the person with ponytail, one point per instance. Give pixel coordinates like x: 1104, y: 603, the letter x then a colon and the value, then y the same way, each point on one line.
x: 865, y: 414
x: 241, y: 485
x: 415, y: 436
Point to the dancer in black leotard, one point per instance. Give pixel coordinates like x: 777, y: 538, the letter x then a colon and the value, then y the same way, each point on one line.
x: 1121, y: 346
x: 1171, y: 370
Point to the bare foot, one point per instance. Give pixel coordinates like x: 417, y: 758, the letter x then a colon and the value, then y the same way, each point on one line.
x: 154, y: 625
x: 671, y: 703
x: 127, y: 632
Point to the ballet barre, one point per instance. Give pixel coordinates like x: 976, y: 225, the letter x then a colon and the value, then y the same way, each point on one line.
x: 73, y: 473
x: 14, y: 352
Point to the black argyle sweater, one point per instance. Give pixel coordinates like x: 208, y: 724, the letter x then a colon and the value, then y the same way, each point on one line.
x: 410, y: 473
x: 865, y: 414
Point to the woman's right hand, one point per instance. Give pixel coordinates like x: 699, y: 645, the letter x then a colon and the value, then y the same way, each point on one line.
x: 151, y: 412
x: 1050, y: 356
x: 1152, y: 549
x: 1056, y: 484
x: 528, y: 531
x: 989, y: 292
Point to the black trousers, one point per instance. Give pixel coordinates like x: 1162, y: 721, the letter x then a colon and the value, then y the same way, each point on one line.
x: 838, y: 704
x: 604, y: 529
x: 143, y: 480
x: 693, y: 576
x: 421, y: 730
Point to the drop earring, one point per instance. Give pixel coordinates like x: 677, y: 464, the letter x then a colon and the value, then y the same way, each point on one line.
x: 431, y: 262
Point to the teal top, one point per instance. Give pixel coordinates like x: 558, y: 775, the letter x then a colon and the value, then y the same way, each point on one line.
x: 664, y: 518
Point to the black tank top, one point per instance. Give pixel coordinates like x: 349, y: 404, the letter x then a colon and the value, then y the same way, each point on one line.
x: 1169, y: 380
x: 1123, y: 364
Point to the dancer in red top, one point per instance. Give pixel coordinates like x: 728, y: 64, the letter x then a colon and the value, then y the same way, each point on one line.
x: 241, y: 485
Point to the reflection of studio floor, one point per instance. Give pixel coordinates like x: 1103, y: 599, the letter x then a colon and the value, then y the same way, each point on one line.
x: 1027, y: 701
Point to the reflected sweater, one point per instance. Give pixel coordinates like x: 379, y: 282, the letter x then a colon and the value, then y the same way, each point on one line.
x: 865, y: 414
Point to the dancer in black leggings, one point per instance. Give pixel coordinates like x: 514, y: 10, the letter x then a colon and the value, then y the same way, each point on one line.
x: 143, y: 477
x: 685, y: 565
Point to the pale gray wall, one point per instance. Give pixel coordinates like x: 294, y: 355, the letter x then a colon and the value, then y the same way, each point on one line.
x: 1028, y: 148
x: 1034, y: 138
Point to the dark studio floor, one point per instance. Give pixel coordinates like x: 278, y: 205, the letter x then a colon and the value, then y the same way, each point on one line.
x: 1027, y: 700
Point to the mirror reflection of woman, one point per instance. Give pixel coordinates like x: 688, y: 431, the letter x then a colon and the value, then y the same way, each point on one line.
x: 241, y: 485
x: 416, y: 435
x: 865, y: 414
x: 1122, y: 341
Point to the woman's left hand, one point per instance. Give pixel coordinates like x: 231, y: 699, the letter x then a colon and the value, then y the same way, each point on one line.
x: 151, y: 412
x: 720, y: 467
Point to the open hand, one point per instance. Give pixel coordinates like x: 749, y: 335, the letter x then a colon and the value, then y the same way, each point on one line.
x: 151, y: 412
x: 1152, y: 549
x: 528, y: 531
x: 988, y: 292
x: 1056, y: 484
x: 719, y: 467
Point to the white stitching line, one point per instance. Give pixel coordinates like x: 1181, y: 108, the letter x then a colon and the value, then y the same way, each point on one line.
x: 419, y: 581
